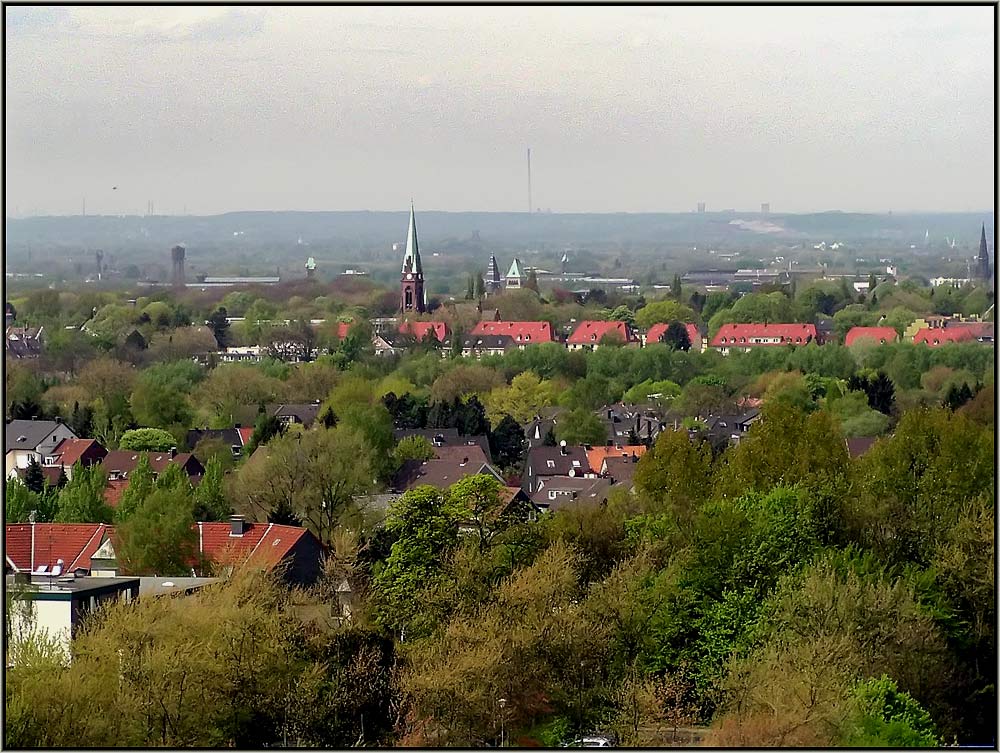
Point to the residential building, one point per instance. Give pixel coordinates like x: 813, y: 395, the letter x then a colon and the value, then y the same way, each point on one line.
x: 597, y: 455
x: 69, y: 452
x: 543, y: 462
x: 880, y: 335
x: 236, y: 438
x: 523, y: 333
x: 747, y: 336
x: 89, y: 549
x: 449, y: 464
x: 981, y: 332
x: 120, y: 463
x: 477, y: 346
x: 57, y: 605
x: 447, y: 438
x: 589, y: 334
x: 657, y: 332
x: 858, y: 446
x: 558, y: 492
x: 621, y: 470
x: 32, y: 440
x: 420, y: 331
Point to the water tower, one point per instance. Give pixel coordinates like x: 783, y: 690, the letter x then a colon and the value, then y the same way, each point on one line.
x: 177, y: 260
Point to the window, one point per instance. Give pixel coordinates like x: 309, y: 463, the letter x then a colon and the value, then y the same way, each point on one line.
x: 550, y: 463
x: 576, y: 463
x: 552, y: 495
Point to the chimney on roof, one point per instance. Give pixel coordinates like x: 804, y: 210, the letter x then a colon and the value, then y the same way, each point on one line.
x: 562, y: 447
x: 238, y: 426
x: 173, y: 452
x: 237, y: 525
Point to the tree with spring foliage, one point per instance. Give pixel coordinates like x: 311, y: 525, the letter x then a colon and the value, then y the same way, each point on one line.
x: 82, y: 499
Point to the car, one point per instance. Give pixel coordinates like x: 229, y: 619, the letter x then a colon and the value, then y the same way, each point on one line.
x: 590, y: 741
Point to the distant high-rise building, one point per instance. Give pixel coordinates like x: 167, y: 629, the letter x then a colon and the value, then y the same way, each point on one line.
x: 564, y: 262
x: 177, y: 260
x: 984, y: 256
x: 310, y: 268
x: 411, y: 281
x: 701, y: 207
x: 493, y: 280
x: 765, y: 209
x: 99, y: 256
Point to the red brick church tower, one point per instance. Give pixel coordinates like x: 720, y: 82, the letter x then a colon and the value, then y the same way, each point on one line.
x: 411, y: 281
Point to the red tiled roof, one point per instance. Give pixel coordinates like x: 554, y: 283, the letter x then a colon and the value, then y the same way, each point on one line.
x: 657, y: 331
x: 597, y: 455
x: 245, y: 433
x: 743, y: 335
x: 942, y: 335
x: 522, y: 332
x: 878, y: 334
x: 29, y: 545
x: 590, y: 332
x: 113, y: 491
x: 419, y: 330
x: 261, y: 543
x: 342, y: 329
x: 69, y: 451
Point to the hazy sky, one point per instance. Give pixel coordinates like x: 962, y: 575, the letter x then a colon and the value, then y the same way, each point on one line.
x: 625, y: 109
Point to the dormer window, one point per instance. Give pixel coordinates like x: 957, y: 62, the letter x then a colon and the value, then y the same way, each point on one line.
x: 550, y: 463
x: 576, y: 463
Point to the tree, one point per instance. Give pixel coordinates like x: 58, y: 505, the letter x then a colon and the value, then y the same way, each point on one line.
x: 888, y: 717
x: 160, y: 537
x: 316, y: 475
x: 523, y: 399
x: 532, y: 282
x: 880, y: 390
x: 141, y: 483
x: 676, y: 473
x: 579, y: 427
x: 426, y: 527
x: 507, y: 442
x: 464, y: 380
x: 34, y: 479
x: 663, y: 311
x: 20, y: 502
x: 675, y: 287
x: 267, y: 427
x: 210, y: 501
x: 219, y: 324
x: 413, y: 447
x: 470, y: 292
x: 82, y: 499
x: 480, y: 289
x: 479, y: 497
x: 153, y: 440
x: 676, y: 337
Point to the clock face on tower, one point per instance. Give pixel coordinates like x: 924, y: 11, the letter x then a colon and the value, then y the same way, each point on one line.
x: 409, y: 277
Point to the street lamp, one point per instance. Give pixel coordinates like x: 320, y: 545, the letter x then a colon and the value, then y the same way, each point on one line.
x: 503, y: 704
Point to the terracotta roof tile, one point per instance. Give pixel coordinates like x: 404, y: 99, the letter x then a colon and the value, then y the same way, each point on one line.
x: 590, y: 332
x: 743, y: 335
x: 522, y: 332
x: 419, y: 330
x: 880, y: 335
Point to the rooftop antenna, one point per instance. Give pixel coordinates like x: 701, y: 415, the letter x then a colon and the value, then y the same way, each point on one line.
x: 529, y: 180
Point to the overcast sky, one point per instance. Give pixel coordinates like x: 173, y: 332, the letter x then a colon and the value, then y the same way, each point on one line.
x: 625, y: 109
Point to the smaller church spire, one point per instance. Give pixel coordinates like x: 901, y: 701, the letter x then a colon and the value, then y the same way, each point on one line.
x: 984, y: 256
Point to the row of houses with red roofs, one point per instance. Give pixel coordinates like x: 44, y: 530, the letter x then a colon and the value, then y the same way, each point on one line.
x: 499, y: 337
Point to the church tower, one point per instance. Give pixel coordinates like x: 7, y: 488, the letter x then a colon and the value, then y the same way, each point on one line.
x: 493, y: 280
x: 984, y: 257
x: 411, y: 281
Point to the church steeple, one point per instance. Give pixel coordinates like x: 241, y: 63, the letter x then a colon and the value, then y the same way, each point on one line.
x: 412, y: 296
x: 984, y: 256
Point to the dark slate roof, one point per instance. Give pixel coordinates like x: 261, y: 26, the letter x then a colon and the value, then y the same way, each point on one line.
x: 564, y: 460
x: 858, y: 446
x: 456, y: 464
x: 305, y: 413
x: 447, y: 438
x: 571, y: 491
x: 228, y: 436
x: 621, y: 470
x: 27, y: 435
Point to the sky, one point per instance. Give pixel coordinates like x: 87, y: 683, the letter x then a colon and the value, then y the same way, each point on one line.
x: 216, y: 109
